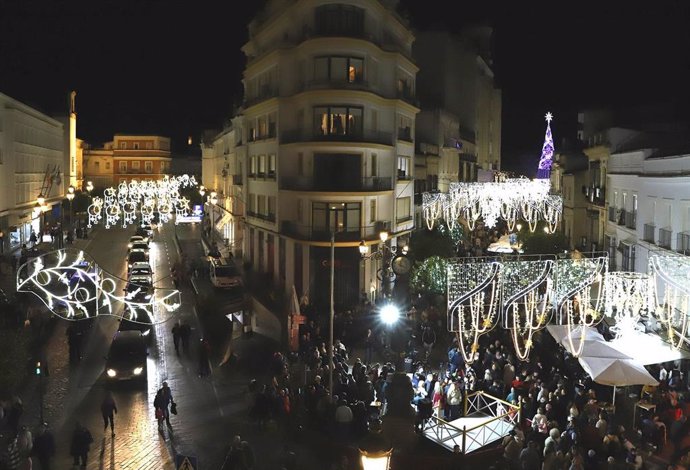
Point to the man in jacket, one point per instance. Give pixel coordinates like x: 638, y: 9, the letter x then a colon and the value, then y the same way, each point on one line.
x: 81, y: 443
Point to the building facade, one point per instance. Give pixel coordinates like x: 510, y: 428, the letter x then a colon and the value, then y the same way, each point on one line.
x: 649, y: 206
x: 126, y: 158
x: 323, y: 144
x: 32, y: 163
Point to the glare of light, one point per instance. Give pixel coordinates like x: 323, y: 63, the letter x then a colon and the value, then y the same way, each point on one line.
x: 138, y: 370
x: 41, y: 199
x: 89, y: 186
x: 146, y: 333
x: 363, y: 248
x: 384, y: 236
x: 405, y: 249
x: 518, y: 227
x: 546, y: 230
x: 389, y: 314
x: 111, y: 373
x: 70, y: 190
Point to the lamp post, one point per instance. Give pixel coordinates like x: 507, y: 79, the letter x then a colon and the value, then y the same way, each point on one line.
x: 382, y: 254
x: 375, y: 451
x: 332, y: 317
x: 70, y: 198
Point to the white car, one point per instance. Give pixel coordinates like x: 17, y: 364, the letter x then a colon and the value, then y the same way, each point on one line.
x: 140, y: 269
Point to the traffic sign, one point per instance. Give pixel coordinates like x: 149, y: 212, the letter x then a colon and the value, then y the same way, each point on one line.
x: 186, y: 462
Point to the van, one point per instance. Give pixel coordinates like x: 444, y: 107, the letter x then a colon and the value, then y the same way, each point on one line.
x: 224, y: 274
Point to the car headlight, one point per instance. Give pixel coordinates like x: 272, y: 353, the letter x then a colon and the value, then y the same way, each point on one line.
x: 129, y: 265
x: 111, y: 373
x: 148, y: 296
x: 138, y: 370
x: 129, y: 245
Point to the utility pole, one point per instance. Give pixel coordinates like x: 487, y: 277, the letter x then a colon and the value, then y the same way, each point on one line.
x: 330, y: 330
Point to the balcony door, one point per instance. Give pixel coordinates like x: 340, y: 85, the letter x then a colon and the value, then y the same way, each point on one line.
x: 337, y: 172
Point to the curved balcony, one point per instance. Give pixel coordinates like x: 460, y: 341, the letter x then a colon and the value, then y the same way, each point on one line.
x: 366, y: 136
x: 337, y: 184
x: 323, y: 234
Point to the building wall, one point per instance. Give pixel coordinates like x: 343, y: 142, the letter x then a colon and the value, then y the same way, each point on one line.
x: 32, y: 152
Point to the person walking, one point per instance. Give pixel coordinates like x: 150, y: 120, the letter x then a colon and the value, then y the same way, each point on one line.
x: 108, y: 409
x: 81, y: 444
x: 185, y: 334
x: 204, y: 349
x: 166, y: 401
x: 33, y: 238
x: 44, y: 446
x: 369, y: 342
x: 159, y: 407
x: 177, y: 334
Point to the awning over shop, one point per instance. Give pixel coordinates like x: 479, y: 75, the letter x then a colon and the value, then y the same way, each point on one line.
x: 223, y: 221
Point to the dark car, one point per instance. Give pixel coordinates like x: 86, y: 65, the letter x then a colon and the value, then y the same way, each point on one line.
x: 136, y: 256
x: 126, y: 359
x: 139, y: 246
x: 139, y: 294
x: 145, y: 230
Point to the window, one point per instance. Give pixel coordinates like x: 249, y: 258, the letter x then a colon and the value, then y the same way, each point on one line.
x: 272, y: 207
x: 136, y: 145
x: 271, y: 125
x: 97, y: 164
x: 374, y: 120
x: 300, y: 164
x: 404, y: 128
x: 252, y: 165
x: 272, y: 165
x: 263, y: 127
x: 334, y: 19
x: 402, y: 209
x: 372, y: 210
x: 300, y: 210
x: 123, y: 167
x: 338, y: 120
x: 374, y: 165
x: 262, y: 165
x: 149, y: 145
x: 403, y: 167
x: 107, y: 165
x: 338, y: 217
x: 148, y: 167
x: 341, y: 69
x: 123, y: 145
x: 261, y: 204
x: 136, y: 165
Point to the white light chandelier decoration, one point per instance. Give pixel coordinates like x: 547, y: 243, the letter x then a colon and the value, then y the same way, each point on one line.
x: 473, y: 303
x: 672, y: 273
x: 579, y: 294
x: 628, y: 297
x: 141, y: 199
x: 511, y: 199
x: 73, y: 287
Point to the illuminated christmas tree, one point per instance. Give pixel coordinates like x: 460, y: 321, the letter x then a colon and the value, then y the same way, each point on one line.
x: 546, y: 159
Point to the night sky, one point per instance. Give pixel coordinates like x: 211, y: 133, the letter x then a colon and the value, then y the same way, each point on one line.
x: 174, y: 68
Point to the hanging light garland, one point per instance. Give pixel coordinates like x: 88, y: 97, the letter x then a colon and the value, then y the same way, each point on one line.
x: 141, y: 199
x: 672, y: 273
x: 628, y: 296
x: 473, y: 303
x: 510, y: 199
x: 73, y: 287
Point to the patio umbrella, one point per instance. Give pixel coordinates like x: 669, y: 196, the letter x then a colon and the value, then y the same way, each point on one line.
x: 560, y: 333
x: 596, y: 348
x: 616, y: 372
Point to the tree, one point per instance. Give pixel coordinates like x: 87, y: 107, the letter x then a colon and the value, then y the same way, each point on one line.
x: 428, y: 243
x: 429, y: 276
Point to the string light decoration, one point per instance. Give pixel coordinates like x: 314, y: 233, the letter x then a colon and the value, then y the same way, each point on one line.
x: 578, y: 295
x: 527, y: 300
x: 671, y: 273
x: 511, y: 199
x: 473, y: 303
x: 141, y: 200
x: 628, y: 297
x: 73, y: 287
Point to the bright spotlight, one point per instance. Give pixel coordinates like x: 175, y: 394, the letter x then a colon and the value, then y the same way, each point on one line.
x: 390, y: 314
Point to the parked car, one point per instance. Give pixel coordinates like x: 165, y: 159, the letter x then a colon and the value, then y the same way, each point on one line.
x: 126, y: 359
x: 136, y: 256
x: 141, y: 268
x: 136, y: 238
x: 145, y: 230
x: 140, y: 245
x: 224, y: 274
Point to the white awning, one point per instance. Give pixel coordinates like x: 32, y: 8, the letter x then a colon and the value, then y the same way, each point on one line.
x: 223, y: 221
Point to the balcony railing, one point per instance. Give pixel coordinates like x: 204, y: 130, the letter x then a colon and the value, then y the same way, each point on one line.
x: 405, y: 133
x: 266, y: 217
x: 366, y: 184
x: 683, y: 243
x: 612, y: 214
x: 631, y: 220
x: 264, y: 94
x: 621, y: 217
x: 303, y: 135
x: 408, y: 96
x: 595, y: 194
x: 648, y: 234
x: 237, y: 180
x: 665, y: 238
x: 330, y: 84
x: 318, y: 233
x: 269, y: 134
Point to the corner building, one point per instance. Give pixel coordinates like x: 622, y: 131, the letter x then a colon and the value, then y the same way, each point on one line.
x: 327, y: 130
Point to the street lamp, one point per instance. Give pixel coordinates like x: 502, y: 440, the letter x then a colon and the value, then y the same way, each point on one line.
x: 202, y: 190
x: 70, y: 198
x: 213, y: 199
x: 375, y: 450
x: 384, y: 253
x: 389, y: 314
x: 89, y: 186
x: 41, y: 199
